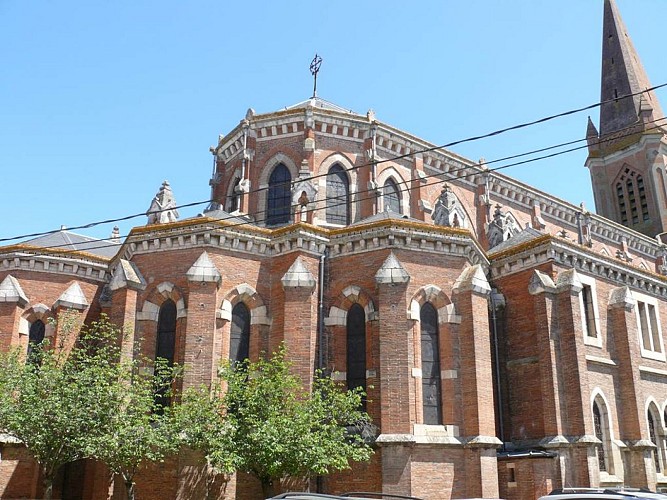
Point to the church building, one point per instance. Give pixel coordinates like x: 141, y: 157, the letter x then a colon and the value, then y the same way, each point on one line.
x: 510, y: 343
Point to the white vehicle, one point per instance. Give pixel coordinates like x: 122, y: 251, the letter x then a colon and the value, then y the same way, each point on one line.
x: 603, y: 494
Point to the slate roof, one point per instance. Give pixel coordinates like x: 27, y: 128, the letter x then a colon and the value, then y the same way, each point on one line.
x: 386, y: 215
x: 226, y: 216
x: 524, y: 236
x: 67, y: 240
x: 318, y: 102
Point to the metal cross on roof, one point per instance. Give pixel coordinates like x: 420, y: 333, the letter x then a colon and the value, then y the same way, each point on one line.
x: 314, y: 69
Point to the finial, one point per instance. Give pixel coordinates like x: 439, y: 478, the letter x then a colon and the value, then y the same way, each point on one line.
x: 314, y: 69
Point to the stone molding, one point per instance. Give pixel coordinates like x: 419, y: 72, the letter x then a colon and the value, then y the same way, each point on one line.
x: 72, y: 298
x: 298, y: 276
x: 204, y: 270
x: 621, y: 298
x: 472, y: 279
x: 127, y: 275
x: 11, y: 291
x: 48, y: 261
x: 583, y: 260
x: 541, y: 283
x: 391, y: 271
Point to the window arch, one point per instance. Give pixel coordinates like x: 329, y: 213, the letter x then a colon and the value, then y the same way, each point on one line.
x: 338, y: 196
x: 391, y: 196
x: 430, y: 354
x: 602, y: 432
x: 35, y: 338
x: 239, y: 341
x: 356, y: 347
x: 280, y: 196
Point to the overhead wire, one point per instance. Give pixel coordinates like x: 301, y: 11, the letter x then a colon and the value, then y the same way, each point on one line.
x: 394, y: 158
x: 255, y: 221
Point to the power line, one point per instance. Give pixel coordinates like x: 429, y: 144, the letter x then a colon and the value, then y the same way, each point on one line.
x: 399, y: 157
x: 407, y: 188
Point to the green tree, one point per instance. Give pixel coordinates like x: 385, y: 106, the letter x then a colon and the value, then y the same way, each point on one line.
x: 85, y: 403
x: 204, y: 425
x: 140, y: 429
x: 275, y: 428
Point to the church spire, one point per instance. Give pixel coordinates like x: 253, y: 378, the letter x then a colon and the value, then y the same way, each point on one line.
x: 622, y: 74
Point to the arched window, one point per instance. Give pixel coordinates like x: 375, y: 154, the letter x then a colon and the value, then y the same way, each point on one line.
x: 239, y: 344
x: 391, y: 196
x: 280, y: 196
x: 35, y: 338
x: 430, y: 350
x: 166, y: 342
x: 631, y: 197
x: 601, y: 425
x: 356, y: 347
x: 338, y: 196
x: 234, y: 197
x: 657, y: 438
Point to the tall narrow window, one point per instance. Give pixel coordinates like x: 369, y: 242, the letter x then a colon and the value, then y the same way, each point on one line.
x: 338, y: 196
x: 642, y: 197
x: 599, y: 433
x: 430, y: 354
x: 356, y: 347
x: 651, y: 338
x: 234, y: 197
x: 166, y: 342
x: 279, y: 198
x: 239, y: 345
x: 656, y: 441
x: 391, y: 197
x: 35, y: 338
x: 589, y: 311
x: 621, y: 203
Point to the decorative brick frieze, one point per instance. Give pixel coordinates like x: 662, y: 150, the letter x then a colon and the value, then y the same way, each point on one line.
x: 551, y: 249
x: 76, y: 264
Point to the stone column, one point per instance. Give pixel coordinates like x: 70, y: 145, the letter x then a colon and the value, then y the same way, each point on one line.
x: 397, y: 405
x: 622, y: 321
x: 471, y: 291
x: 68, y: 323
x: 203, y: 282
x: 12, y: 304
x: 578, y: 424
x: 543, y: 290
x: 300, y: 319
x: 126, y: 281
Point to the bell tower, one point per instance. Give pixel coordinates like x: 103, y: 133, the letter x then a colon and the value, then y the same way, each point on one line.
x: 628, y: 156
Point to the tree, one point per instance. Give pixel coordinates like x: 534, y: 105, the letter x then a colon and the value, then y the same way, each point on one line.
x: 275, y: 428
x: 140, y: 429
x: 57, y: 400
x: 85, y: 403
x: 202, y: 418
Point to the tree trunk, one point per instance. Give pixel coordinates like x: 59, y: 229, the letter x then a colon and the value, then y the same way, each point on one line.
x: 130, y: 487
x: 267, y: 487
x: 48, y: 487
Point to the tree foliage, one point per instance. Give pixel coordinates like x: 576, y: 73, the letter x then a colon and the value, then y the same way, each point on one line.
x: 267, y: 424
x: 85, y: 403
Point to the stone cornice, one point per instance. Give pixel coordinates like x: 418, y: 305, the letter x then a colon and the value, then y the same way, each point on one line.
x: 566, y: 253
x: 79, y: 264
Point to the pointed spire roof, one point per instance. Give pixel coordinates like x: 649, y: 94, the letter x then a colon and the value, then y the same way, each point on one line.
x: 622, y: 74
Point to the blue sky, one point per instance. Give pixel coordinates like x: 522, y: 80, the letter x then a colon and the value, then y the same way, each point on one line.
x: 102, y: 100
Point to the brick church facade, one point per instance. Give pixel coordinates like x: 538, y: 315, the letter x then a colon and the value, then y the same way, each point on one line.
x: 510, y: 342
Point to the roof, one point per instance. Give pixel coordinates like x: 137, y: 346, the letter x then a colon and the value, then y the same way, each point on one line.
x: 528, y: 234
x: 222, y: 215
x: 622, y: 74
x: 386, y: 215
x: 318, y: 102
x: 67, y: 240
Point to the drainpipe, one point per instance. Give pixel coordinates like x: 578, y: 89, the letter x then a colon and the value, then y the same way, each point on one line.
x: 499, y: 394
